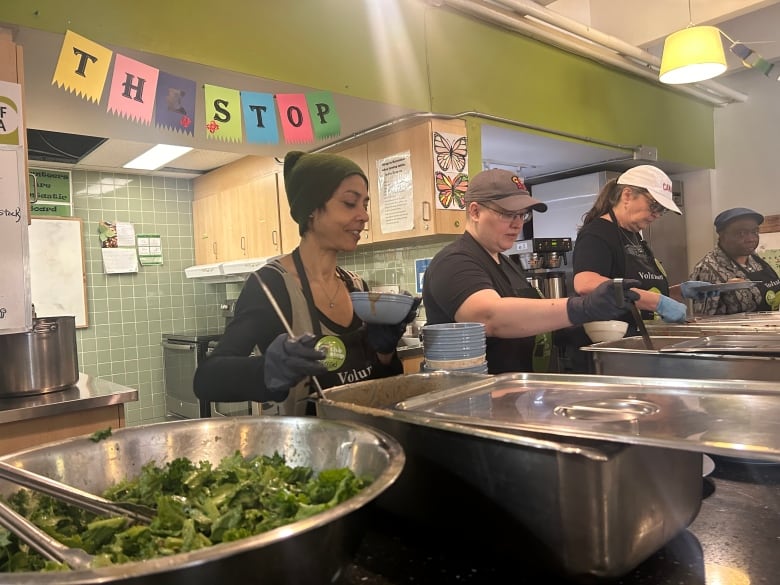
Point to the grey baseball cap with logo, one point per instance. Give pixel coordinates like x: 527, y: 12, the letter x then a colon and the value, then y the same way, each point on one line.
x: 504, y: 188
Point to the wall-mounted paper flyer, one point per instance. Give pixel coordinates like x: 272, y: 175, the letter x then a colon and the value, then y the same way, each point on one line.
x: 150, y: 249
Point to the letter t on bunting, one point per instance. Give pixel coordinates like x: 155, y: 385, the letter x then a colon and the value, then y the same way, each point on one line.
x: 82, y: 67
x: 259, y: 117
x: 133, y: 86
x: 294, y: 115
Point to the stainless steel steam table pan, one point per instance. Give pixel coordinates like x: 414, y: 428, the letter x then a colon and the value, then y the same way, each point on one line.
x: 737, y: 324
x: 584, y: 507
x: 629, y: 357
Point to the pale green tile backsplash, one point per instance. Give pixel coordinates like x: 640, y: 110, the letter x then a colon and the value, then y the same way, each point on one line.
x: 128, y: 313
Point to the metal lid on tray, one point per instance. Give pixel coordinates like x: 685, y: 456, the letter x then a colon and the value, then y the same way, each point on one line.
x: 728, y: 417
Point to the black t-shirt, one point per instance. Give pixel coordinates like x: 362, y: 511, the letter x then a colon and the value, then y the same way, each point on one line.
x: 463, y: 268
x: 613, y: 252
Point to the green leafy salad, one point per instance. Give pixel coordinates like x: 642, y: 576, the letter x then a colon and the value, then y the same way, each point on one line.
x: 197, y: 505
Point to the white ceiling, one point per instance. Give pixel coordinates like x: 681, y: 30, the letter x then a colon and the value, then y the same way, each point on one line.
x: 638, y: 22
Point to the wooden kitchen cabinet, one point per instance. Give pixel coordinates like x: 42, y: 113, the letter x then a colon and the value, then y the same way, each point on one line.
x: 416, y: 140
x: 235, y: 212
x: 208, y: 231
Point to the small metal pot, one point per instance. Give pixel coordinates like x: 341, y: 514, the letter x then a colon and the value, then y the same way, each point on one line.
x: 41, y: 360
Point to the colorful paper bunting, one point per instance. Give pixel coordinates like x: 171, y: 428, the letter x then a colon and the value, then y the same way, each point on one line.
x: 82, y: 67
x: 138, y: 91
x: 324, y: 119
x: 259, y: 117
x: 294, y: 116
x: 223, y: 113
x: 132, y: 90
x: 175, y: 103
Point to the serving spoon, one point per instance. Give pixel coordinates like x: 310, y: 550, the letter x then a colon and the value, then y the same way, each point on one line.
x: 620, y: 299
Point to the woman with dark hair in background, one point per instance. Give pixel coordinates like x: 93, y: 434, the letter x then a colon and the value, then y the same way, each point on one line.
x: 328, y: 197
x: 610, y: 244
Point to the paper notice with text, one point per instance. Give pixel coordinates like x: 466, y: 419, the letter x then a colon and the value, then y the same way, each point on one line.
x: 396, y: 196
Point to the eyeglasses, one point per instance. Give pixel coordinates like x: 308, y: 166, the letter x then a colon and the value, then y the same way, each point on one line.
x: 655, y: 207
x: 509, y: 216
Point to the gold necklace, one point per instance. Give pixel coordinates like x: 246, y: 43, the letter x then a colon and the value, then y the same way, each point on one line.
x: 331, y: 304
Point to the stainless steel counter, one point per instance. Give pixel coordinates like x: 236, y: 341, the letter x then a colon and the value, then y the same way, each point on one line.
x: 89, y: 392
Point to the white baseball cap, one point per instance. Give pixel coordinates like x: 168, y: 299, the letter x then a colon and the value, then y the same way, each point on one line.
x: 657, y: 183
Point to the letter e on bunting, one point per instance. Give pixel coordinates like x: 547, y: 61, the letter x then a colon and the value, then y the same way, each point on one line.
x: 132, y: 90
x: 294, y: 115
x: 82, y: 67
x: 174, y: 104
x: 324, y: 118
x: 223, y: 113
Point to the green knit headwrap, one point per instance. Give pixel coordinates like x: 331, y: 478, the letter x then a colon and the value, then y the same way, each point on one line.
x: 311, y: 179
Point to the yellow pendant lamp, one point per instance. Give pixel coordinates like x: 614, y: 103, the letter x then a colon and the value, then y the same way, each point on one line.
x: 692, y: 54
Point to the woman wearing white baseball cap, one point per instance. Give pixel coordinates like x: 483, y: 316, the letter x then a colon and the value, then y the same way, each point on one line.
x: 610, y: 244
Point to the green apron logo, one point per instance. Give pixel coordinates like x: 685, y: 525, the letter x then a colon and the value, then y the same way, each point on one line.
x: 335, y: 352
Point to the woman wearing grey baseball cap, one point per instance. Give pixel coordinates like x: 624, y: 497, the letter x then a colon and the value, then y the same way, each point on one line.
x: 610, y: 244
x: 734, y: 258
x: 471, y: 280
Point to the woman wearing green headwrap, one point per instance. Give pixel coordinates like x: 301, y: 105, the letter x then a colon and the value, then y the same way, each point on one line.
x: 328, y: 196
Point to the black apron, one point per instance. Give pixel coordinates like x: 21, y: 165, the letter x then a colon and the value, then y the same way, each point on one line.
x: 769, y: 286
x: 349, y: 359
x: 640, y: 264
x: 521, y: 354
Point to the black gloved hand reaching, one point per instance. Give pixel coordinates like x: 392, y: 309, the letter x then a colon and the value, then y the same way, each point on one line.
x: 288, y: 361
x: 604, y: 303
x: 385, y: 338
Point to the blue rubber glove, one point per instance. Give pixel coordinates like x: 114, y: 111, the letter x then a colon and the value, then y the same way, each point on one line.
x: 688, y: 289
x: 288, y: 361
x: 670, y: 310
x: 603, y: 304
x: 385, y: 338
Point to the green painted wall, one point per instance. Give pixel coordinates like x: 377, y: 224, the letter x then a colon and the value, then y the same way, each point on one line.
x: 402, y: 52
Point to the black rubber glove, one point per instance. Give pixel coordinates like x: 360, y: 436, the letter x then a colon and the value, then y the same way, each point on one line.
x: 288, y: 361
x: 605, y: 303
x: 385, y: 338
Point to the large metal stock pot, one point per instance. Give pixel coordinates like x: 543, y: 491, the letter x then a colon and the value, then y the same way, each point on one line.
x: 313, y: 550
x: 41, y: 360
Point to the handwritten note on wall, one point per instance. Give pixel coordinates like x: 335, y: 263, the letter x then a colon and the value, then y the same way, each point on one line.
x: 15, y: 303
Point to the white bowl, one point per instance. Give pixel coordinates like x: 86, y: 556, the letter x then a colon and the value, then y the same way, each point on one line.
x: 599, y: 331
x: 381, y: 308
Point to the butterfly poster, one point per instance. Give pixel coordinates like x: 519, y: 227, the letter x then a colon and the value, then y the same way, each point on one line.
x: 450, y: 152
x: 450, y: 190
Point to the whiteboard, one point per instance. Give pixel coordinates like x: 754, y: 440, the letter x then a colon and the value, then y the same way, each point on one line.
x: 58, y: 281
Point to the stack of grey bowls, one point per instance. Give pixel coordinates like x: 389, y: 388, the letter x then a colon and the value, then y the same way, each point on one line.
x: 455, y: 347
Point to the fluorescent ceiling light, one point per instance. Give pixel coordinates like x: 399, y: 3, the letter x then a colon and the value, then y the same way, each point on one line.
x: 157, y: 156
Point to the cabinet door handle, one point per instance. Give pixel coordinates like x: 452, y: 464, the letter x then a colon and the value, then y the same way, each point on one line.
x: 274, y: 238
x: 34, y: 182
x: 243, y: 244
x: 426, y: 210
x: 214, y: 248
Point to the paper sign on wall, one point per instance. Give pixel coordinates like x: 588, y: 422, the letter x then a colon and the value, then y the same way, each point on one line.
x: 150, y: 249
x: 396, y: 195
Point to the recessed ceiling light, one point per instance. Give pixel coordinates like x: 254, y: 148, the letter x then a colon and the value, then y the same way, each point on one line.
x: 157, y: 156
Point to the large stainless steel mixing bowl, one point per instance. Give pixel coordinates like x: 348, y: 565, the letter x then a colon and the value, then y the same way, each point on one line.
x: 313, y: 550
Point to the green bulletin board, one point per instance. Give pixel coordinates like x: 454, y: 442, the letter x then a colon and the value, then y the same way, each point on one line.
x: 54, y: 193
